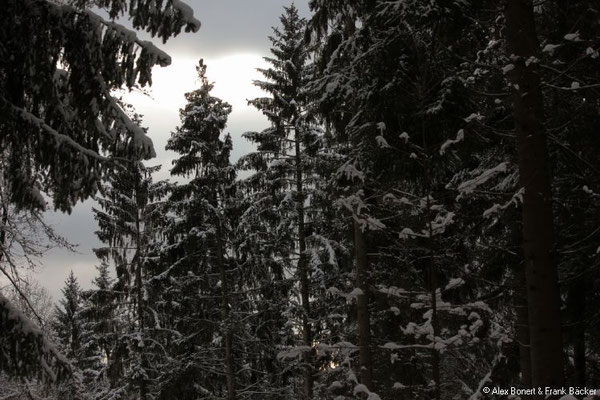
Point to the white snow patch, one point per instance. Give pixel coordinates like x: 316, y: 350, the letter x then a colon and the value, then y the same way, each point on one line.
x: 591, y: 52
x: 454, y: 283
x: 459, y: 138
x: 531, y: 60
x: 549, y: 48
x: 356, y: 292
x: 404, y: 136
x: 507, y: 68
x: 474, y: 117
x: 406, y: 233
x: 335, y: 385
x: 573, y: 37
x: 381, y: 142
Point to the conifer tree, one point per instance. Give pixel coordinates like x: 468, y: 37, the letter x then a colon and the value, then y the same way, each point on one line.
x: 286, y: 170
x: 201, y: 258
x: 99, y: 332
x: 128, y: 223
x: 67, y: 322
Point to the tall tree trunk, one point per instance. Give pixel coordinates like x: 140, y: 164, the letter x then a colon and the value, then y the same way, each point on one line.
x: 577, y: 296
x: 362, y: 307
x: 522, y: 328
x: 520, y: 305
x: 303, y: 270
x: 538, y: 228
x: 229, y: 360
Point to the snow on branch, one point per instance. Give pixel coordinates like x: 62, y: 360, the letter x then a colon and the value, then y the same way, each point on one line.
x: 44, y: 127
x: 350, y: 172
x: 294, y: 352
x: 516, y: 199
x: 348, y: 296
x: 472, y: 184
x: 131, y: 36
x: 187, y: 14
x: 141, y: 141
x: 460, y: 136
x: 360, y: 388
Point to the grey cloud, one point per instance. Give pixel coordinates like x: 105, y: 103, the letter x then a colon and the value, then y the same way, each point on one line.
x: 230, y: 26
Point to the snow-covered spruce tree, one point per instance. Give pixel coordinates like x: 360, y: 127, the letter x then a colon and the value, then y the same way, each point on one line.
x: 58, y: 119
x: 284, y: 185
x: 99, y: 333
x: 66, y: 324
x: 196, y: 282
x: 129, y: 221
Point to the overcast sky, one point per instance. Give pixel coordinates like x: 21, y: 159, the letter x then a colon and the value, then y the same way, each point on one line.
x: 232, y: 41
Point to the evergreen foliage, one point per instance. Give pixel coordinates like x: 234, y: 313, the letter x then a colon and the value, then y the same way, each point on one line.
x: 67, y: 324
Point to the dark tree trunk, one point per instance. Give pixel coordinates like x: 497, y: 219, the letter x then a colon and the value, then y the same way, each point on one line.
x: 538, y: 229
x: 362, y: 308
x: 520, y: 304
x: 522, y: 328
x: 577, y: 297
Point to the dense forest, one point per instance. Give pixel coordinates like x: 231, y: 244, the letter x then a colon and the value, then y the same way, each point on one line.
x: 420, y: 218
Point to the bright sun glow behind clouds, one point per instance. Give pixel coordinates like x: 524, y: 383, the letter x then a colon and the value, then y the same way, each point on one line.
x: 232, y: 76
